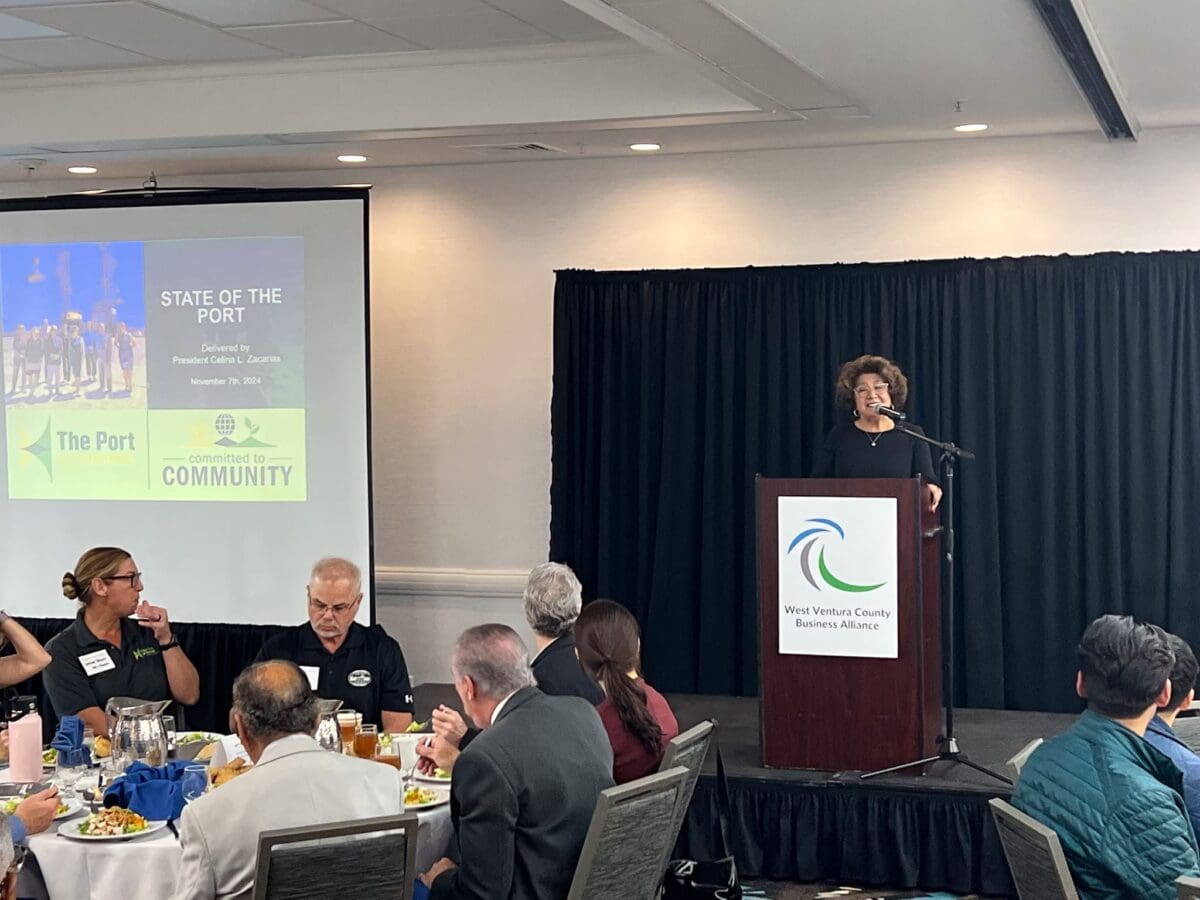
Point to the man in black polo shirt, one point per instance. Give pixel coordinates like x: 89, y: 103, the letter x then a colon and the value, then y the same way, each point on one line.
x: 362, y: 667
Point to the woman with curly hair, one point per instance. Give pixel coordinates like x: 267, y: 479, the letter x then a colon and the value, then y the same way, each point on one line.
x: 636, y: 716
x: 870, y: 445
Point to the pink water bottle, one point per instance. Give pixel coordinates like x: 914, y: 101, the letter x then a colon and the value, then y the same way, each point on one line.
x: 25, y: 748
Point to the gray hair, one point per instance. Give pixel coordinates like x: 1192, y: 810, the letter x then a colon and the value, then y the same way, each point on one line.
x: 274, y: 699
x: 334, y: 568
x: 495, y: 658
x: 553, y: 598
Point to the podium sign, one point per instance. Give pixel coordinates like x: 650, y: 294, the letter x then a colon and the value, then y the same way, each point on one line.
x: 838, y: 580
x: 849, y: 611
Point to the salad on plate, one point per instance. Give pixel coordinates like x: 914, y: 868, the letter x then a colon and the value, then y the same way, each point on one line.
x: 112, y: 822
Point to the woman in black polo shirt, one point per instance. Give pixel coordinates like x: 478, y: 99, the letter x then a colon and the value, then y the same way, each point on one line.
x: 104, y: 653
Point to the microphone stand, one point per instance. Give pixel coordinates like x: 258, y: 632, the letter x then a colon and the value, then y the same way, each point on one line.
x: 949, y: 743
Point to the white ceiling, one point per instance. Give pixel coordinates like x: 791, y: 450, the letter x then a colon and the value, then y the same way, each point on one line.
x: 193, y: 87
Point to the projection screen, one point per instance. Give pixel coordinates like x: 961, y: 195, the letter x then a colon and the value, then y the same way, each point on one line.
x: 185, y: 376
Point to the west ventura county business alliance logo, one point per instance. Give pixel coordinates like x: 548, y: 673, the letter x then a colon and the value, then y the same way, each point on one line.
x: 813, y: 539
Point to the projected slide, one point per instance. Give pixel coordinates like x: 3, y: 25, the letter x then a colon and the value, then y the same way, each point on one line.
x: 155, y: 369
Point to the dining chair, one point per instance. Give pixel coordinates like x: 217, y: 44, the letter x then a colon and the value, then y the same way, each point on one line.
x: 1188, y: 887
x: 688, y: 750
x: 1187, y: 729
x: 1034, y: 853
x: 1018, y: 761
x: 373, y: 857
x: 625, y: 852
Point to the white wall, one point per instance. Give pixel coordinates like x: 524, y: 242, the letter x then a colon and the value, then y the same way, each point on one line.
x: 462, y: 277
x: 462, y: 286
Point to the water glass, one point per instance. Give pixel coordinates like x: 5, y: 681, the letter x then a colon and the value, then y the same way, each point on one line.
x: 89, y: 742
x: 194, y: 782
x: 71, y: 767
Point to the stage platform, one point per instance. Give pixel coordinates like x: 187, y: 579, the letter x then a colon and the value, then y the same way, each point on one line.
x: 930, y: 831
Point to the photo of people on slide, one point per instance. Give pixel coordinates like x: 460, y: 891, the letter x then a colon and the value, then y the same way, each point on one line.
x: 74, y: 324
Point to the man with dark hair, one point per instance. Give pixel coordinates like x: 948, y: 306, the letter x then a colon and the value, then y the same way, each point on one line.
x: 294, y: 782
x: 524, y: 790
x: 1114, y: 800
x: 1161, y: 730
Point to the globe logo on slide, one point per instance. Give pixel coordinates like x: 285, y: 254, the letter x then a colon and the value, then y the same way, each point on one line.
x: 225, y: 425
x: 814, y: 538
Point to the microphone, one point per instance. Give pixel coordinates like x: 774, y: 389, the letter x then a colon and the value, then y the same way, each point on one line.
x: 881, y: 410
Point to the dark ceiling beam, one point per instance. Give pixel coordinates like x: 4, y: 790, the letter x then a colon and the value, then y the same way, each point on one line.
x: 1072, y: 33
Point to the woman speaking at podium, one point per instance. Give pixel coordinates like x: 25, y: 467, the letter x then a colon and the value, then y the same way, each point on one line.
x: 870, y: 445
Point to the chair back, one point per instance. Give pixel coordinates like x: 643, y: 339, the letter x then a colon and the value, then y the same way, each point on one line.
x: 1187, y: 729
x: 372, y: 857
x: 1022, y: 756
x: 1188, y: 887
x: 628, y: 842
x: 1034, y: 853
x: 688, y: 750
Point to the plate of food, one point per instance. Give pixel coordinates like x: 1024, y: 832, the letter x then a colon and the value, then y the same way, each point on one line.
x: 112, y: 824
x: 224, y: 774
x: 439, y: 776
x: 183, y: 738
x: 66, y: 808
x: 417, y: 797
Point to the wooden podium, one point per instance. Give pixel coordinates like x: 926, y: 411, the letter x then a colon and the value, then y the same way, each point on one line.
x: 852, y: 713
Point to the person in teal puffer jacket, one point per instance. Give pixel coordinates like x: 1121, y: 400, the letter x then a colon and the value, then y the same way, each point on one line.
x: 1114, y: 800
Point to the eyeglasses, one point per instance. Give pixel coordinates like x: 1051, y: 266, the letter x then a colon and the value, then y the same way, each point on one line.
x: 132, y: 577
x: 881, y: 388
x: 321, y: 608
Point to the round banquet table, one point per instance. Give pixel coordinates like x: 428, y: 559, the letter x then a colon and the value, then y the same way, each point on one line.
x: 145, y: 868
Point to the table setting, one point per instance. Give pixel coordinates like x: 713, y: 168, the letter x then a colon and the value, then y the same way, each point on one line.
x: 119, y: 814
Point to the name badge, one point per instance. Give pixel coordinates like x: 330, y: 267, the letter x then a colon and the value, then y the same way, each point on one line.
x: 313, y: 674
x: 359, y: 678
x: 97, y: 662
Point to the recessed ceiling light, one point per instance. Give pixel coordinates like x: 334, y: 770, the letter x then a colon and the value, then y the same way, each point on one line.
x: 645, y: 148
x: 352, y: 158
x: 967, y: 129
x: 82, y: 170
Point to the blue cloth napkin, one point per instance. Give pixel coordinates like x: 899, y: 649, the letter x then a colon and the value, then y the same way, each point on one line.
x: 154, y: 793
x: 69, y: 735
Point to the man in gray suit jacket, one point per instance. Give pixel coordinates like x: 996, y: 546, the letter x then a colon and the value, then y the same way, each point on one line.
x: 524, y: 790
x: 294, y: 782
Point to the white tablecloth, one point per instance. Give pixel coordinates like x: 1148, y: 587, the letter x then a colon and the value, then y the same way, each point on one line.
x: 145, y: 868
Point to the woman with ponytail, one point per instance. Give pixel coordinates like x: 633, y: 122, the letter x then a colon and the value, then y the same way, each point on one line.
x: 636, y: 716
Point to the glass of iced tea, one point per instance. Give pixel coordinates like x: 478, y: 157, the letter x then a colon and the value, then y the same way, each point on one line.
x: 347, y: 720
x: 365, y: 741
x: 388, y: 754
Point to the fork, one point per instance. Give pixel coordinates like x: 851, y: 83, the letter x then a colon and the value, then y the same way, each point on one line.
x: 427, y: 742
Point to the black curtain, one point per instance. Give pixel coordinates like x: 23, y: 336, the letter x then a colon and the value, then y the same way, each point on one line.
x: 852, y: 834
x: 1070, y: 377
